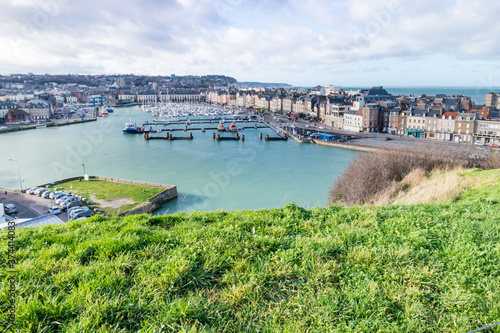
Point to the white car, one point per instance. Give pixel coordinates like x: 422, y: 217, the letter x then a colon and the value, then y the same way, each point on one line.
x: 55, y: 210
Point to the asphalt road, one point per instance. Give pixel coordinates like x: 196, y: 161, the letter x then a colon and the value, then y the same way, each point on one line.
x: 23, y: 211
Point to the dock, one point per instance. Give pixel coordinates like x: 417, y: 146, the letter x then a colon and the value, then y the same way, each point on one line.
x: 169, y: 137
x: 208, y: 128
x: 234, y: 138
x: 197, y: 121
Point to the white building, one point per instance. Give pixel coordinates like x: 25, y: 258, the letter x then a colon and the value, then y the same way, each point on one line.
x: 353, y: 122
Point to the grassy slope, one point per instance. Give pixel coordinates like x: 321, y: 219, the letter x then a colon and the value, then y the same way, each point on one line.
x: 447, y: 187
x: 108, y: 191
x: 417, y: 268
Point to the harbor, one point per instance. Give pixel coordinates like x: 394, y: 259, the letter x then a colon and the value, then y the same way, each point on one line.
x: 200, y: 118
x: 209, y: 173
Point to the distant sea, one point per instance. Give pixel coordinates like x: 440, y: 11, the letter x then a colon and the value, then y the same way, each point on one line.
x: 477, y: 94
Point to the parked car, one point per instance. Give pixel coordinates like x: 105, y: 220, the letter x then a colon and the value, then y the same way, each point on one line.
x: 46, y: 194
x: 70, y: 204
x: 32, y: 190
x: 51, y: 195
x: 78, y: 210
x: 9, y: 209
x: 82, y: 215
x: 55, y: 210
x: 58, y: 195
x: 63, y: 198
x: 40, y: 189
x: 72, y: 209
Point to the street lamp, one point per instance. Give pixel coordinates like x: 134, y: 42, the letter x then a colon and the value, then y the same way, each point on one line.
x: 83, y: 165
x: 20, y: 181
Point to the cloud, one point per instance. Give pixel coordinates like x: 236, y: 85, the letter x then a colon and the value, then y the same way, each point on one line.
x: 240, y: 37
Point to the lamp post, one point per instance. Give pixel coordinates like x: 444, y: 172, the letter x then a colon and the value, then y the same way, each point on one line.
x: 83, y: 165
x: 20, y: 181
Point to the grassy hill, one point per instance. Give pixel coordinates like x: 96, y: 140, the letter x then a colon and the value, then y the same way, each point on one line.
x: 418, y: 268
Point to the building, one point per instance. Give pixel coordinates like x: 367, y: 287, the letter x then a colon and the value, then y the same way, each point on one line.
x: 492, y: 100
x: 181, y: 96
x: 371, y: 118
x: 16, y: 116
x: 397, y: 121
x: 310, y: 105
x: 487, y: 132
x: 415, y: 123
x: 353, y: 121
x: 335, y: 115
x: 446, y: 126
x: 464, y: 128
x: 71, y: 99
x: 126, y: 95
x: 37, y: 109
x: 375, y: 94
x: 147, y: 97
x: 331, y: 90
x: 4, y: 109
x: 288, y: 104
x: 431, y: 124
x: 276, y: 104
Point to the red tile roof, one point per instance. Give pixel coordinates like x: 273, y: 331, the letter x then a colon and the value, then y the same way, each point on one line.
x: 446, y: 115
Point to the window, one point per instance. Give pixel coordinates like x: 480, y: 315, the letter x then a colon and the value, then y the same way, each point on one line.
x: 459, y: 124
x: 458, y: 131
x: 467, y: 126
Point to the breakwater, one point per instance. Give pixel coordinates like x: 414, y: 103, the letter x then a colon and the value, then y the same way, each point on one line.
x: 152, y: 204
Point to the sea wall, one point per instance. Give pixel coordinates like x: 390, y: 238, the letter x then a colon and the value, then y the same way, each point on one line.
x: 49, y: 124
x: 153, y: 203
x: 346, y: 146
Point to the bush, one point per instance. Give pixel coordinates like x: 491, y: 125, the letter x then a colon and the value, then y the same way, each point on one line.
x: 372, y: 173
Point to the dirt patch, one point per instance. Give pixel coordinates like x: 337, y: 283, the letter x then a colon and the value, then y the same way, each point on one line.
x: 114, y: 203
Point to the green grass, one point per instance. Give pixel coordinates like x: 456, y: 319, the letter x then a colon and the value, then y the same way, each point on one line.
x: 486, y: 187
x: 108, y: 191
x: 419, y: 268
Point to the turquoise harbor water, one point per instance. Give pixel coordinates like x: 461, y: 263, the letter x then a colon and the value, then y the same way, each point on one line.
x: 210, y: 175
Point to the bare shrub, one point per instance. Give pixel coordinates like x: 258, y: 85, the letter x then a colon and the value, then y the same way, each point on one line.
x: 371, y: 174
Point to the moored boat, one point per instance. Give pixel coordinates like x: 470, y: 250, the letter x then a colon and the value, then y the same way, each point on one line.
x: 220, y: 127
x: 131, y: 127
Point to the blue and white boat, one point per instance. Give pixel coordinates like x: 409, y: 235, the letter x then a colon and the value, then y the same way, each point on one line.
x: 131, y: 127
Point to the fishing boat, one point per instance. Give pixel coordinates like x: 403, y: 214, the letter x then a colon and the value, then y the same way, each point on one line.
x: 131, y: 127
x: 103, y: 112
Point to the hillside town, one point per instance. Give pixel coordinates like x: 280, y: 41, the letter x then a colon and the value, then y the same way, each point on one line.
x: 32, y: 98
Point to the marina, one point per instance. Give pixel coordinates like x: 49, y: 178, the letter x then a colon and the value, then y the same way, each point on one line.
x: 209, y: 174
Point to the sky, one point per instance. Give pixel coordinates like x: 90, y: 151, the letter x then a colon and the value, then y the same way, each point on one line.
x: 300, y: 42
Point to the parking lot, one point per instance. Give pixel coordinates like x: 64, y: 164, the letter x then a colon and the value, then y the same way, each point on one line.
x: 29, y: 206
